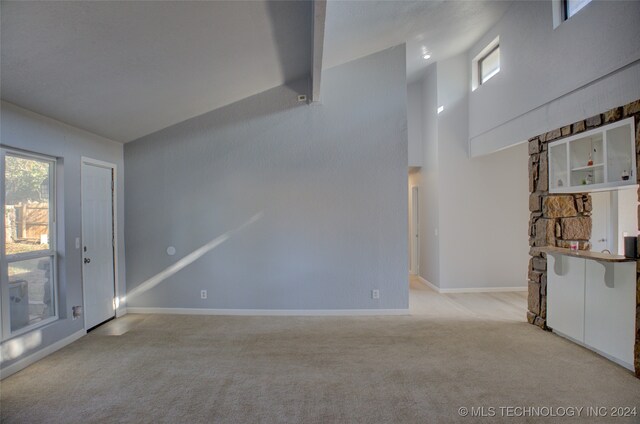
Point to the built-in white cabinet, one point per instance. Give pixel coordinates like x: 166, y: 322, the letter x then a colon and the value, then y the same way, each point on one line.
x: 598, y: 159
x: 565, y: 295
x: 593, y: 303
x: 610, y: 308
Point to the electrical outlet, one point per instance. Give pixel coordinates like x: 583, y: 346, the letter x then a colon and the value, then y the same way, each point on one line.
x: 203, y: 294
x: 375, y: 294
x: 76, y: 312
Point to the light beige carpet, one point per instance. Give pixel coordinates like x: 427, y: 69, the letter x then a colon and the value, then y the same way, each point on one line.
x: 176, y: 369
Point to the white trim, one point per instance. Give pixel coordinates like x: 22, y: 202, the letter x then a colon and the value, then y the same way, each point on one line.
x: 473, y: 289
x: 4, y: 315
x: 52, y: 253
x: 429, y: 284
x: 32, y: 327
x: 484, y: 289
x: 318, y: 25
x: 475, y: 75
x: 114, y: 168
x: 28, y: 360
x: 414, y: 230
x: 96, y: 162
x: 603, y: 186
x: 267, y: 312
x: 557, y: 13
x: 27, y: 154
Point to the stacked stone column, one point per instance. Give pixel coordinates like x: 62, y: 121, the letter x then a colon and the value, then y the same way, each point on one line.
x: 557, y: 220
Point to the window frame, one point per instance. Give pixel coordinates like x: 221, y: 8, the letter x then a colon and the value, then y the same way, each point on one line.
x: 481, y: 79
x: 51, y: 253
x: 480, y: 56
x: 565, y: 9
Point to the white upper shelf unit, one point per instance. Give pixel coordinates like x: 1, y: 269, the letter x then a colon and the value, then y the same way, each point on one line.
x: 600, y: 159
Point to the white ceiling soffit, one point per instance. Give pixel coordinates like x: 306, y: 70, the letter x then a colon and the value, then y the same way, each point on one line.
x: 445, y: 28
x: 124, y: 69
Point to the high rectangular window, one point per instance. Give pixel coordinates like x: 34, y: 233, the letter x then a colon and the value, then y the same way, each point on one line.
x: 28, y: 254
x: 571, y: 7
x: 489, y: 65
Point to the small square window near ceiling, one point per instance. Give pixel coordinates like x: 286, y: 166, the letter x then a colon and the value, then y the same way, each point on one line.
x: 489, y: 65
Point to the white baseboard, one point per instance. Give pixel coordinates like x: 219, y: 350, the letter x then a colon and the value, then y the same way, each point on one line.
x: 472, y: 289
x: 121, y: 311
x: 484, y: 290
x: 36, y: 356
x: 429, y: 284
x: 267, y: 312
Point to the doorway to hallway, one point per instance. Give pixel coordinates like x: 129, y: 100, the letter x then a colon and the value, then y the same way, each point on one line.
x: 414, y: 254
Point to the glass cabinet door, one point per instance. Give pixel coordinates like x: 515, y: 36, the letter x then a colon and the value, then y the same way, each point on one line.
x: 603, y: 158
x: 558, y: 176
x: 587, y: 160
x: 620, y: 150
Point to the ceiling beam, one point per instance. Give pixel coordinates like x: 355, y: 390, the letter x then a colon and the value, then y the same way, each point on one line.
x: 319, y: 14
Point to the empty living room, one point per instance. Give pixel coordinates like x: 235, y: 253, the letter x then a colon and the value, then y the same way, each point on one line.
x: 320, y: 211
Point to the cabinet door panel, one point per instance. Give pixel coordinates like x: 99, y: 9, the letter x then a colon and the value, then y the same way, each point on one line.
x: 565, y: 295
x: 610, y: 308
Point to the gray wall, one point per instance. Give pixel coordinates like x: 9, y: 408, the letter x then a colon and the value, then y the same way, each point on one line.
x: 478, y: 206
x: 484, y: 202
x: 329, y: 180
x: 414, y: 123
x: 553, y: 77
x: 430, y: 196
x: 26, y: 130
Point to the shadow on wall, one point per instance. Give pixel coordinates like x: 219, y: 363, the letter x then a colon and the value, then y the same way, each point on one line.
x: 207, y: 173
x: 285, y: 16
x: 243, y: 111
x: 325, y: 177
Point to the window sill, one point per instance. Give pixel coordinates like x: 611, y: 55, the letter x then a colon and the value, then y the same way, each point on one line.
x: 37, y: 326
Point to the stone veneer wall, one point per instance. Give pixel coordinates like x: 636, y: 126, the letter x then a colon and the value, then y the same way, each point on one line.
x: 558, y: 219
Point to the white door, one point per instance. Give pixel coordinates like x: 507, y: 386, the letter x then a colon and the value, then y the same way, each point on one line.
x: 413, y: 266
x: 601, y: 222
x: 97, y: 244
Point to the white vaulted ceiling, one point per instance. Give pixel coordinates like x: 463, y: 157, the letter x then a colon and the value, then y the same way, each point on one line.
x: 358, y: 28
x: 124, y: 69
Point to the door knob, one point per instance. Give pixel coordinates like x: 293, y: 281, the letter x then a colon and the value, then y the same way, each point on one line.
x: 87, y: 260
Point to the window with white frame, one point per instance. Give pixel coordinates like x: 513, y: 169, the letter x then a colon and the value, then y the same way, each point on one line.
x: 486, y: 64
x: 565, y: 9
x: 28, y: 254
x: 571, y: 7
x: 489, y: 65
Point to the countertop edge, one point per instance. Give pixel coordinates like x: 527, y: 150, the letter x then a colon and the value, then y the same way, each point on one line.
x: 584, y: 254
